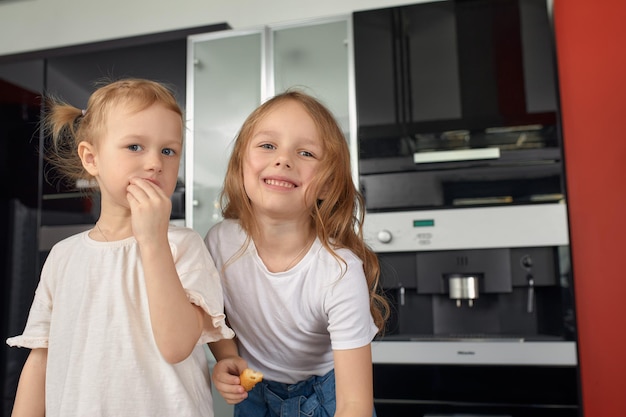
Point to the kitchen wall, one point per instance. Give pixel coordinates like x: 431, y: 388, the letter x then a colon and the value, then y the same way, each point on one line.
x: 42, y: 24
x: 590, y: 36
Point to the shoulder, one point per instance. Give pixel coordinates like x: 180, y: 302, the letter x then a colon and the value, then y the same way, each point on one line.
x: 225, y: 240
x: 225, y: 226
x: 67, y: 253
x: 342, y: 263
x: 343, y: 255
x: 182, y: 234
x: 184, y: 240
x: 225, y: 231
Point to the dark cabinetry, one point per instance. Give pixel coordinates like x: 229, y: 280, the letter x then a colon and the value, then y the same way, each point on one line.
x: 499, y: 391
x: 465, y: 64
x: 405, y: 58
x: 457, y: 104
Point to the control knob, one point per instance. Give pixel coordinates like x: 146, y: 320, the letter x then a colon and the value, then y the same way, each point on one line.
x: 384, y: 236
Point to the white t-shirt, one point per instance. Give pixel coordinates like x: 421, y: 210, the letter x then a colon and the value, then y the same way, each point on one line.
x: 288, y: 323
x: 91, y: 312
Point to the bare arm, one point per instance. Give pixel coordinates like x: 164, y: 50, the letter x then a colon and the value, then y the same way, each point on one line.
x: 176, y: 323
x: 354, y: 382
x: 30, y: 399
x: 224, y: 348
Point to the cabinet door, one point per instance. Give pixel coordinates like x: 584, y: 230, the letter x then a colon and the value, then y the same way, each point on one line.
x: 432, y: 66
x: 224, y: 85
x: 376, y: 70
x: 406, y: 65
x: 314, y: 58
x: 445, y: 66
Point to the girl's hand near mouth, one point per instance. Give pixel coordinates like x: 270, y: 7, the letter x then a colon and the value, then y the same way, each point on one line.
x: 150, y: 210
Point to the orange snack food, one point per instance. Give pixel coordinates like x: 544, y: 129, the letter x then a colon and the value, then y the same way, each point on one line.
x: 250, y: 378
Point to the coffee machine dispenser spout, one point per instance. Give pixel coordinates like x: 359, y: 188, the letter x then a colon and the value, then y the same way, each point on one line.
x: 463, y: 287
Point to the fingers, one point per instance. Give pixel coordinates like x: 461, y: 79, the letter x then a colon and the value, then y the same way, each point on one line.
x: 144, y: 194
x: 143, y: 189
x: 231, y: 391
x: 226, y: 381
x: 150, y: 208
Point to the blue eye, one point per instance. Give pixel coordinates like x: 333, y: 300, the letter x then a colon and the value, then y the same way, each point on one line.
x: 168, y: 152
x: 306, y: 153
x: 134, y: 148
x: 267, y: 146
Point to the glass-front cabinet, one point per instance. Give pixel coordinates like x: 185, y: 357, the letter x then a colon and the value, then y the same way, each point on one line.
x: 231, y: 72
x: 225, y: 71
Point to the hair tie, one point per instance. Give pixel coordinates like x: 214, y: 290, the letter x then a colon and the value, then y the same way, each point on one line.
x: 79, y: 118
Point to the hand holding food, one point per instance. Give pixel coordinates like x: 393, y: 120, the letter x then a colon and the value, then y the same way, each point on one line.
x: 250, y: 378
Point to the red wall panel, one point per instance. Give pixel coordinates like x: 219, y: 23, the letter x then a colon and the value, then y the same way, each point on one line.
x: 591, y: 54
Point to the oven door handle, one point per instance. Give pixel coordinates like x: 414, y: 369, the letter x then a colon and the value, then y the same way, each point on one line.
x: 456, y: 155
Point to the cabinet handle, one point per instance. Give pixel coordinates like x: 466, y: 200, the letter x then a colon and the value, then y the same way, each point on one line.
x: 459, y: 155
x: 531, y: 293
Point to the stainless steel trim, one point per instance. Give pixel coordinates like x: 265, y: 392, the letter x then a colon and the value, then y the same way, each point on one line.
x: 475, y: 353
x: 189, y: 125
x: 352, y: 114
x: 469, y: 228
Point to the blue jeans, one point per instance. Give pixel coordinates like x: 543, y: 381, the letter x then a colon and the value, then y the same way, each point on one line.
x: 314, y: 397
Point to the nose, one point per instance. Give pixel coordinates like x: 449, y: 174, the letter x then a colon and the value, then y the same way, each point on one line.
x: 282, y: 159
x: 154, y: 161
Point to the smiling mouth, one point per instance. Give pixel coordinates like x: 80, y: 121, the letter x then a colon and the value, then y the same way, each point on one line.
x: 278, y: 183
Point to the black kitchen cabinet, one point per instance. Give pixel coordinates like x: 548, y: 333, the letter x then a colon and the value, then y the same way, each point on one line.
x: 452, y: 65
x: 434, y: 390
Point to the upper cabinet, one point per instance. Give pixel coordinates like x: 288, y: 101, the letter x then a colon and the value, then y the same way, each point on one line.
x: 447, y: 66
x: 315, y: 58
x: 230, y: 73
x: 457, y: 105
x: 224, y: 84
x: 403, y: 56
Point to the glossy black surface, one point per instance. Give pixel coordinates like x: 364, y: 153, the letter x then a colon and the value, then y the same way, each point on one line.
x: 439, y: 390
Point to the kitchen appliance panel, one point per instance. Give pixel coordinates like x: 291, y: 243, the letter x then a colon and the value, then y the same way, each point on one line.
x: 473, y: 391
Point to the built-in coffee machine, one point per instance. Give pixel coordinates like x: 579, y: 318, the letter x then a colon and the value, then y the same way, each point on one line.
x: 483, y: 317
x: 460, y: 164
x: 488, y: 273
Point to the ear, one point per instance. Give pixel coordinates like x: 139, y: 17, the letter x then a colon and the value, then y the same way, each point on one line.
x: 87, y: 154
x: 323, y: 193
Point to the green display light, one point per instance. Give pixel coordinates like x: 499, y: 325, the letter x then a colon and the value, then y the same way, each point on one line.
x: 424, y: 223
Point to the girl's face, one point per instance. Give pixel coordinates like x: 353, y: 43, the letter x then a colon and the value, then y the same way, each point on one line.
x: 280, y: 161
x: 145, y: 144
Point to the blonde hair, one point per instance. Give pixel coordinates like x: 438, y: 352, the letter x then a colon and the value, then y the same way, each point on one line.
x: 337, y: 218
x: 67, y: 125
